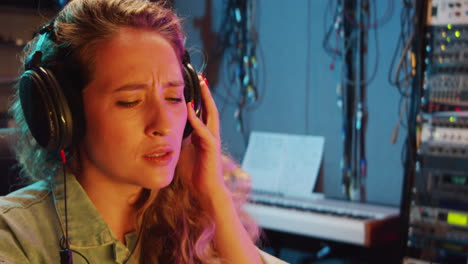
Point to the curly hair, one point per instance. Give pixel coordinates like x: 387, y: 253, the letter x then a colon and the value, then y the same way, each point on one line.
x: 172, y: 225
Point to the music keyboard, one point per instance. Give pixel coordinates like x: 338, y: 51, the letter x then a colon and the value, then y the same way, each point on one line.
x: 343, y: 221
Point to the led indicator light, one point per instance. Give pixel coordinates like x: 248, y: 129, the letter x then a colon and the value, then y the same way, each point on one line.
x: 457, y: 219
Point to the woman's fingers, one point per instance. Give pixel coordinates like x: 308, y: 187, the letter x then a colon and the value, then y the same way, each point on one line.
x: 200, y: 129
x: 207, y: 131
x: 210, y: 109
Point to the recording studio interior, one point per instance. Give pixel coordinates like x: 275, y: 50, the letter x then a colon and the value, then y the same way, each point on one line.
x: 349, y: 117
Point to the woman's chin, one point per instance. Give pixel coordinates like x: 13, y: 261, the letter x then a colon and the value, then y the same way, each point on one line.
x: 157, y: 183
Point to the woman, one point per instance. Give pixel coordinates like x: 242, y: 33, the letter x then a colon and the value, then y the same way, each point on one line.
x: 137, y: 188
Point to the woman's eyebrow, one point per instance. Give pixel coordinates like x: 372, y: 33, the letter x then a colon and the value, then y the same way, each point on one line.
x: 173, y: 83
x: 131, y: 87
x: 140, y: 86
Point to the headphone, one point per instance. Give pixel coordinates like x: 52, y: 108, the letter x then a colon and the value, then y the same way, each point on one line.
x: 53, y: 109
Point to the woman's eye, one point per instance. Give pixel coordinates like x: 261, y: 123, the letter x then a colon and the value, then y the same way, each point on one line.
x: 128, y: 104
x: 175, y: 99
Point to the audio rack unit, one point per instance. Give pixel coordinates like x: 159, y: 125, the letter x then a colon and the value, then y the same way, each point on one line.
x: 437, y: 228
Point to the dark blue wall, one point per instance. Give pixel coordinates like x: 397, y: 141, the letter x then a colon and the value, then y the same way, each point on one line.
x: 300, y: 89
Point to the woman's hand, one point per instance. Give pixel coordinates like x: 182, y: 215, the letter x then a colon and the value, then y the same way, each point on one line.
x: 203, y: 154
x: 203, y: 147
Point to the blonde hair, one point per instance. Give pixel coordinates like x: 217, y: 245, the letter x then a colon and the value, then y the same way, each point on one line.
x: 179, y: 219
x: 176, y: 228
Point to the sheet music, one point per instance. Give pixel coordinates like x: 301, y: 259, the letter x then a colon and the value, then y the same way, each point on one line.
x: 283, y: 164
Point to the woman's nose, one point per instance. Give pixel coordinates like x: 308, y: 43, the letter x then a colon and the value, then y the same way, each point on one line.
x: 159, y: 121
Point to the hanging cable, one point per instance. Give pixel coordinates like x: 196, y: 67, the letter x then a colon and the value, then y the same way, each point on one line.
x: 401, y: 75
x: 345, y: 41
x: 238, y: 43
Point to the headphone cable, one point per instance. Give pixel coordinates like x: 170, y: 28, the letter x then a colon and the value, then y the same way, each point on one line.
x: 66, y: 256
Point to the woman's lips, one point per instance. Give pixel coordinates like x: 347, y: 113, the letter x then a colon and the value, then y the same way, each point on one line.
x: 159, y: 158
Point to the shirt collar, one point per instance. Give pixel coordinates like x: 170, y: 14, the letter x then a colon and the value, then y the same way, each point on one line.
x: 86, y: 227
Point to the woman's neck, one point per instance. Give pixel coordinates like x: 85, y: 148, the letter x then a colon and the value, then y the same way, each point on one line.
x: 114, y: 202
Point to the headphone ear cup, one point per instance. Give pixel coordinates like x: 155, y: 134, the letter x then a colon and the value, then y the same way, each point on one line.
x: 192, y: 92
x: 45, y: 109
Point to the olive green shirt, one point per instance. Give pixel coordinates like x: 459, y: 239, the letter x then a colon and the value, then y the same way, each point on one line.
x: 32, y: 221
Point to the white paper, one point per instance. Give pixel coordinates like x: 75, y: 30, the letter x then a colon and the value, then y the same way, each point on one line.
x: 283, y: 164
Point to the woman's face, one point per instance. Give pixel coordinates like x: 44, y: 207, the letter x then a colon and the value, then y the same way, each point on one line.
x: 135, y: 111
